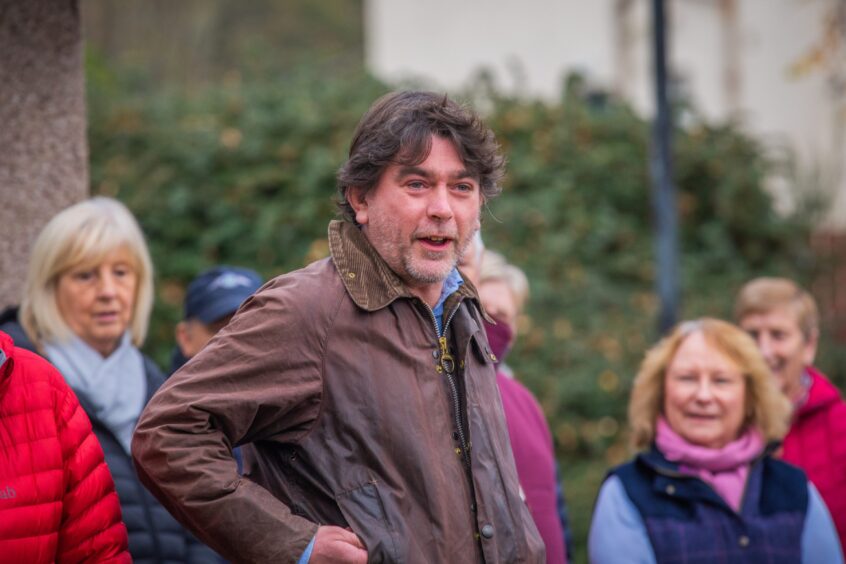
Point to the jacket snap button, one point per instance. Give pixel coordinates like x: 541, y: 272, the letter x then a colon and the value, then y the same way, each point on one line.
x: 671, y: 489
x: 488, y: 531
x: 350, y: 275
x: 743, y: 541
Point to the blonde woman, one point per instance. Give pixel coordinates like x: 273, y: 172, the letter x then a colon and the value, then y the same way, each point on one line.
x: 704, y: 412
x: 86, y: 306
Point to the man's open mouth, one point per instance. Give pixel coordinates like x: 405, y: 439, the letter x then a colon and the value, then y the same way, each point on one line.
x: 436, y: 241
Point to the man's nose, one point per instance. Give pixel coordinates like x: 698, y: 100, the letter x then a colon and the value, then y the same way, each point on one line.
x: 440, y: 206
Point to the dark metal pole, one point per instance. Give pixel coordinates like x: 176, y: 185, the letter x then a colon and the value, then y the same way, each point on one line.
x: 663, y: 189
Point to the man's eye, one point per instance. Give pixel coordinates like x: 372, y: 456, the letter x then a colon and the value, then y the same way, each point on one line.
x: 416, y: 185
x: 464, y: 187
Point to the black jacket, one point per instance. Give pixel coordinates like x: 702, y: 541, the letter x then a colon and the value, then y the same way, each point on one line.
x: 154, y: 536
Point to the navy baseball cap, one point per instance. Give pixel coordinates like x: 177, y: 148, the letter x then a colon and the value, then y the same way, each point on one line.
x: 219, y: 292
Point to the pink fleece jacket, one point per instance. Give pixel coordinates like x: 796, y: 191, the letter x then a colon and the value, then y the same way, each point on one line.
x: 817, y: 444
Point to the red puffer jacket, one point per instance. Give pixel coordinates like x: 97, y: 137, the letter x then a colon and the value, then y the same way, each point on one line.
x: 57, y: 498
x: 816, y: 443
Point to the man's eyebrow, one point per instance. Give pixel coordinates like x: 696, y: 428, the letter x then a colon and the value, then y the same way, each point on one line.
x: 463, y: 173
x: 411, y: 170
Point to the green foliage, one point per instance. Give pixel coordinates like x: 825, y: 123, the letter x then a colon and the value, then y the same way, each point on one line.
x: 244, y: 174
x: 576, y: 215
x: 191, y: 43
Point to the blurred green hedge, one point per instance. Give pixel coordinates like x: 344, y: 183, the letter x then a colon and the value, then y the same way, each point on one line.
x: 243, y: 173
x: 576, y: 215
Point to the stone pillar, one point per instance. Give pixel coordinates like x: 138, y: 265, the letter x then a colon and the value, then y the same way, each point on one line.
x: 43, y: 146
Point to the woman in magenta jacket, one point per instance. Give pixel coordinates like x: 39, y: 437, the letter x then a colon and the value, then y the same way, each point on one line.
x: 57, y: 498
x: 503, y: 289
x: 785, y: 322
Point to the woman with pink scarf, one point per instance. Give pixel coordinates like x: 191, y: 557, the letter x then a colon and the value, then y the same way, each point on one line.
x: 706, y: 415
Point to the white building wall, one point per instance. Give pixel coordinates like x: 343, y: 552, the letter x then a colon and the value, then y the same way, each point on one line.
x: 446, y: 42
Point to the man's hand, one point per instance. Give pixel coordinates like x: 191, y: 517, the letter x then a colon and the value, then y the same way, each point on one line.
x: 334, y: 544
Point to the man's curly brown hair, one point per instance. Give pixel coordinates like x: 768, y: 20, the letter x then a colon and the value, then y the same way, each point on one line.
x: 398, y: 129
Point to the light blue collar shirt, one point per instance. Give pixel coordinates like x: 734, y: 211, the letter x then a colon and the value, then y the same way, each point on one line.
x: 451, y: 284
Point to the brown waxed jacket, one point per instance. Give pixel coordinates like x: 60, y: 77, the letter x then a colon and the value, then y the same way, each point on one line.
x: 335, y: 375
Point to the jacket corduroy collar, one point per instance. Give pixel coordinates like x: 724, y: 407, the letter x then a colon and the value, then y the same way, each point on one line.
x: 369, y: 281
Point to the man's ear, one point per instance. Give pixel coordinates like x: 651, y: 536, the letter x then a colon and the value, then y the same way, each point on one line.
x: 357, y: 198
x: 183, y: 339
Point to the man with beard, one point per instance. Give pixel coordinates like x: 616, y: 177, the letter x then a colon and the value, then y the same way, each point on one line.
x: 783, y: 320
x: 363, y: 384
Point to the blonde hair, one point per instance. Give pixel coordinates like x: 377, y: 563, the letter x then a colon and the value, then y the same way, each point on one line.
x: 766, y: 407
x: 82, y: 235
x: 494, y: 267
x: 764, y: 294
x: 470, y: 260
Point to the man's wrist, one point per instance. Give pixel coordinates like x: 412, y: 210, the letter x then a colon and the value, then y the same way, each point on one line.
x: 306, y: 555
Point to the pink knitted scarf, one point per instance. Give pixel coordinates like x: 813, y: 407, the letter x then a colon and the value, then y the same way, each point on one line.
x: 724, y: 469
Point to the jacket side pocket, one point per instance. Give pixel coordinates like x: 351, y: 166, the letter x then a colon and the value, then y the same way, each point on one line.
x: 364, y: 511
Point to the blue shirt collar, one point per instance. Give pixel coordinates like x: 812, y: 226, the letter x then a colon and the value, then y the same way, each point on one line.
x: 451, y: 284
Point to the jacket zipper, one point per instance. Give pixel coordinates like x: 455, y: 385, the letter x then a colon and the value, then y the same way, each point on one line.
x: 140, y: 491
x: 447, y: 366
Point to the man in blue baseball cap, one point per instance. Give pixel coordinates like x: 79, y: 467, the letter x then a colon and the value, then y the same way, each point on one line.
x: 211, y: 300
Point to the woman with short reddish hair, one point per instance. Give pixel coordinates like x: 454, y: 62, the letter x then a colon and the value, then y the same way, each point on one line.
x: 707, y: 416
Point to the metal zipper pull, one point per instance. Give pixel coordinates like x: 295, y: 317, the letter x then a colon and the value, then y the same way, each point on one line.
x: 447, y: 361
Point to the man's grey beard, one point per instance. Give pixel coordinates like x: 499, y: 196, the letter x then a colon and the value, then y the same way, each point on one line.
x: 433, y: 277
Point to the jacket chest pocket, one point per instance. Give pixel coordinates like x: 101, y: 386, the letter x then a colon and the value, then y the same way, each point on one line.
x: 481, y: 350
x: 480, y: 371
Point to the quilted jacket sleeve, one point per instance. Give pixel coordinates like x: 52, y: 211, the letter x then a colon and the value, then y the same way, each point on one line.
x: 91, y: 528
